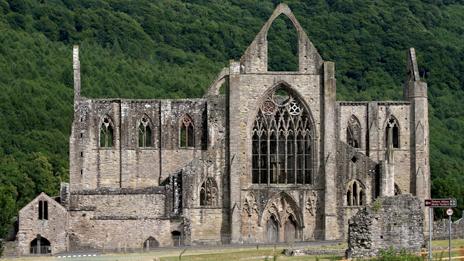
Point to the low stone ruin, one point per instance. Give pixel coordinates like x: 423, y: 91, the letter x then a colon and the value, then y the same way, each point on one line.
x: 390, y: 222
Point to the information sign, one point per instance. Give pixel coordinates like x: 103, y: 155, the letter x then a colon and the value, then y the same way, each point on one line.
x: 441, y: 203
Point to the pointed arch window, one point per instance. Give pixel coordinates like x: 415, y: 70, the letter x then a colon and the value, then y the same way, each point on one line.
x: 106, y: 133
x: 392, y: 133
x: 145, y: 133
x: 355, y: 195
x: 282, y: 141
x: 353, y: 132
x: 208, y: 192
x: 186, y: 132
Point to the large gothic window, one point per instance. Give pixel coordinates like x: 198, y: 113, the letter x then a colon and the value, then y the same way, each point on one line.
x: 186, y: 132
x: 353, y: 133
x: 282, y: 141
x: 145, y: 133
x: 106, y: 133
x: 392, y: 133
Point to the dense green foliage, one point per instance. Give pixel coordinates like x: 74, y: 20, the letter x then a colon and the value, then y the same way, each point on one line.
x: 171, y: 48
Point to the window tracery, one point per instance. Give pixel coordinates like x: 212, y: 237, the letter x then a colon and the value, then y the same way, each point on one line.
x: 282, y: 141
x: 145, y: 134
x: 392, y: 133
x: 208, y: 193
x: 186, y: 135
x: 106, y: 133
x: 355, y: 195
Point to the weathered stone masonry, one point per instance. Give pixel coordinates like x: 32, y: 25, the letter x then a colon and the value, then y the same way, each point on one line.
x: 275, y: 158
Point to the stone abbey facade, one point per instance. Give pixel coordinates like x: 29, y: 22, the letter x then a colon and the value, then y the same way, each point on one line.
x: 273, y: 157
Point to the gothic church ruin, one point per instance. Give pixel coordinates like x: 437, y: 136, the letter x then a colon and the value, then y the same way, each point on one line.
x: 273, y: 158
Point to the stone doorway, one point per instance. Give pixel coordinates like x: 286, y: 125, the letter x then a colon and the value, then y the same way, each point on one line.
x: 290, y: 230
x: 272, y: 230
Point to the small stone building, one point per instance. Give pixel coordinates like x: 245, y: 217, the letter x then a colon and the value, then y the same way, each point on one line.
x: 264, y: 156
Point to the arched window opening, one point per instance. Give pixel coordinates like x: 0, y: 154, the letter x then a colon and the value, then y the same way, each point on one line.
x: 282, y: 141
x: 186, y: 135
x: 353, y: 133
x: 106, y: 133
x: 392, y: 133
x: 43, y: 210
x: 282, y: 42
x: 40, y: 245
x: 355, y: 195
x: 208, y: 193
x: 145, y: 134
x: 150, y: 243
x: 397, y: 190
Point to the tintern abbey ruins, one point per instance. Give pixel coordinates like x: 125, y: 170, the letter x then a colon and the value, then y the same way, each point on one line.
x: 271, y: 157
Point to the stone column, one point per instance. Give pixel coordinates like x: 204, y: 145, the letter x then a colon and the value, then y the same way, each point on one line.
x: 237, y: 135
x: 329, y: 151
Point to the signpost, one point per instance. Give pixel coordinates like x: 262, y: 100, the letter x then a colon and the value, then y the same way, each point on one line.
x: 440, y: 203
x: 449, y: 212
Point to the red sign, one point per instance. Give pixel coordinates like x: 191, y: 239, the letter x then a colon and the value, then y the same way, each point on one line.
x: 441, y: 203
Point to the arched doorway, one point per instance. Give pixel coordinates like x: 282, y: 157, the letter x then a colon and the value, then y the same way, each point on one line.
x: 40, y: 245
x: 272, y: 230
x: 290, y: 230
x: 150, y: 243
x: 176, y: 238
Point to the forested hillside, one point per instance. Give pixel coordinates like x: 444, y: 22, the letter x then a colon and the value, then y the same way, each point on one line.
x: 174, y: 48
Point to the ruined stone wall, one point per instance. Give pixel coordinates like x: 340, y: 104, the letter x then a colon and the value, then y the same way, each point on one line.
x: 118, y: 218
x: 116, y: 233
x: 125, y: 164
x: 395, y: 222
x: 53, y: 228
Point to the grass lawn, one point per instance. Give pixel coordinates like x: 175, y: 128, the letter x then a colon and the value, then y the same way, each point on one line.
x: 234, y: 254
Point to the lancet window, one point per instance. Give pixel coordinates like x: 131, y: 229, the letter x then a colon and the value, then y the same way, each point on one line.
x: 355, y: 195
x: 282, y: 141
x: 145, y: 134
x: 392, y: 133
x: 186, y: 132
x: 106, y: 133
x: 353, y: 133
x: 208, y: 193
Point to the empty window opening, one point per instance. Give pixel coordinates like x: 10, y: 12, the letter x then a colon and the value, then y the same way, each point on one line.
x: 355, y: 195
x: 82, y: 135
x: 145, y: 134
x: 82, y: 154
x: 106, y: 133
x: 397, y: 190
x: 150, y: 243
x: 186, y: 132
x: 43, y: 210
x: 40, y: 245
x: 392, y: 133
x: 82, y: 172
x: 282, y: 42
x: 353, y: 133
x: 281, y: 141
x: 208, y: 193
